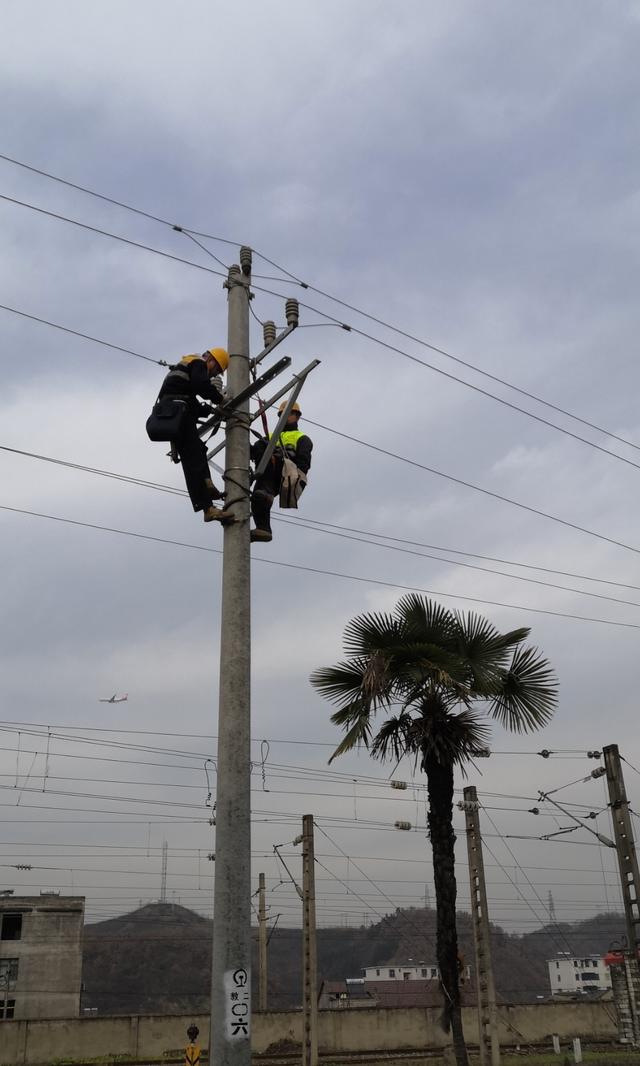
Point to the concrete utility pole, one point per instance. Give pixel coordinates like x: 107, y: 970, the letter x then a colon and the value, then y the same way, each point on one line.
x: 262, y: 945
x: 230, y: 1036
x: 309, y: 952
x: 489, y: 1042
x: 630, y: 882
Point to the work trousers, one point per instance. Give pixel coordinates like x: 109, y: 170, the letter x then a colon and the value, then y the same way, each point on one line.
x: 193, y: 456
x: 267, y: 487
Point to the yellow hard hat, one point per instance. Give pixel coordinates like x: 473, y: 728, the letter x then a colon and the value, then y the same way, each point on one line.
x: 295, y: 408
x: 220, y: 355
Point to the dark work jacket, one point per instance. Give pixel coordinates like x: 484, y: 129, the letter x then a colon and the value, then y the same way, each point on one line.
x: 188, y: 381
x: 301, y: 457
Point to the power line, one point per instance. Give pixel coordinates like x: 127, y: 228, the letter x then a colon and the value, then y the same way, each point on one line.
x: 192, y: 234
x: 476, y: 488
x: 448, y: 477
x: 333, y: 530
x: 83, y: 336
x: 329, y: 573
x: 110, y: 200
x: 113, y: 236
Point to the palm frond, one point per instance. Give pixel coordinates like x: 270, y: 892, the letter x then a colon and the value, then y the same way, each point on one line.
x: 393, y: 739
x: 529, y: 693
x: 485, y: 651
x: 369, y: 633
x: 341, y: 683
x: 424, y: 620
x: 360, y: 733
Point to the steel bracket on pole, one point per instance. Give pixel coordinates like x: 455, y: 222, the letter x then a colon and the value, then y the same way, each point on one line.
x: 226, y: 409
x: 297, y: 380
x: 274, y: 344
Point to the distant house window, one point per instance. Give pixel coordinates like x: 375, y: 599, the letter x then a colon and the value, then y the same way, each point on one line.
x: 11, y: 928
x: 8, y: 975
x: 434, y: 972
x: 423, y: 973
x: 557, y: 965
x: 589, y: 977
x: 7, y: 1007
x: 377, y: 973
x: 559, y: 978
x: 575, y: 963
x: 392, y: 973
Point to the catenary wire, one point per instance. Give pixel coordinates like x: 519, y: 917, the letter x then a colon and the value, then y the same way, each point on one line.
x: 326, y: 573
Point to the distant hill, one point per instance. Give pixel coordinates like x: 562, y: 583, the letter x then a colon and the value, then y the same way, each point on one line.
x: 158, y: 958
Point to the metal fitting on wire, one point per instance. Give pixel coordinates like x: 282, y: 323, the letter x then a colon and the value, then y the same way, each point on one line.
x: 468, y: 806
x: 399, y: 784
x: 598, y: 772
x: 402, y: 825
x: 268, y: 332
x: 245, y: 260
x: 292, y: 312
x: 482, y: 753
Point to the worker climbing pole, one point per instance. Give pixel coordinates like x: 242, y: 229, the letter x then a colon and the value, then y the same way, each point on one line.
x: 176, y: 418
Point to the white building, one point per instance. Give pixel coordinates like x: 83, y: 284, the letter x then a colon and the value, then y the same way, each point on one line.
x: 585, y: 975
x: 409, y: 972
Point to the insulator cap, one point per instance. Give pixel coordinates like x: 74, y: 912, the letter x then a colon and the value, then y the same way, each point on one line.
x: 402, y: 825
x: 268, y: 332
x: 234, y: 271
x: 292, y: 312
x: 598, y: 772
x: 245, y: 259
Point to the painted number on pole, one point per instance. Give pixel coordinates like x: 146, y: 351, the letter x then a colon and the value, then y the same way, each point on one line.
x: 237, y: 996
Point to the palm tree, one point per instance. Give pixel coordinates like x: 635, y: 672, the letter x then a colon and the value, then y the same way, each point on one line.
x: 440, y: 673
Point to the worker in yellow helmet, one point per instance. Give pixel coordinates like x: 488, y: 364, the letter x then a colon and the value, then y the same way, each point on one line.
x: 175, y: 418
x: 285, y: 475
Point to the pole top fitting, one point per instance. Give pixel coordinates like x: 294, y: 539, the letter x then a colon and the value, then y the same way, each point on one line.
x: 245, y: 260
x: 292, y: 312
x: 268, y: 332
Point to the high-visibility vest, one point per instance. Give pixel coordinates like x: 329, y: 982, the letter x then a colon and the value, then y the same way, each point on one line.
x: 192, y: 1055
x: 288, y: 440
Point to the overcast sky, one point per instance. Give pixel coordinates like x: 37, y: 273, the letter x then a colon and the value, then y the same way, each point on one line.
x: 468, y: 174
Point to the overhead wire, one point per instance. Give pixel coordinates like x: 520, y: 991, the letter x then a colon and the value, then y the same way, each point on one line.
x: 325, y: 573
x: 334, y: 531
x: 193, y: 233
x: 469, y: 485
x: 346, y: 532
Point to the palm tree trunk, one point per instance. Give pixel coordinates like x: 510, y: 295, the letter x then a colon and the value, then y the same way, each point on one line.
x: 440, y: 789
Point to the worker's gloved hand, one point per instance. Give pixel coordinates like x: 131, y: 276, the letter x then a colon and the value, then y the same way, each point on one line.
x: 218, y: 384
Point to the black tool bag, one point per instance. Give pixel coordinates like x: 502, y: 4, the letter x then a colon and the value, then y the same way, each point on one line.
x: 167, y: 419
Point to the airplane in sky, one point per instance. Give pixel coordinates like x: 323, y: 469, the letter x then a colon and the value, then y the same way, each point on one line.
x: 116, y: 699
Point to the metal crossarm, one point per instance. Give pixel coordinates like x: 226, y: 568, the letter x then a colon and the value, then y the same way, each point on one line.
x: 299, y: 378
x: 224, y: 410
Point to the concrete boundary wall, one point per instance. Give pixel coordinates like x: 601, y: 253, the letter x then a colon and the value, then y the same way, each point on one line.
x: 30, y: 1043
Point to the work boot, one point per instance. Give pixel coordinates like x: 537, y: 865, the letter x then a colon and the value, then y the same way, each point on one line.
x: 261, y: 535
x: 215, y: 514
x: 216, y: 494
